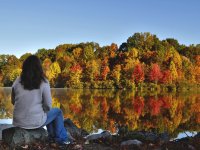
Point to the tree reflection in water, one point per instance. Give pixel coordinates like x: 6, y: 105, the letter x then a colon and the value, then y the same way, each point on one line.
x: 94, y: 109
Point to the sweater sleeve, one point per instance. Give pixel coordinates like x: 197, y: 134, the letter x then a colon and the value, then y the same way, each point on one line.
x: 46, y: 97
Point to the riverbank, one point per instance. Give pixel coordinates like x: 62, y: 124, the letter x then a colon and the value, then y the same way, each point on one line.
x: 189, y: 143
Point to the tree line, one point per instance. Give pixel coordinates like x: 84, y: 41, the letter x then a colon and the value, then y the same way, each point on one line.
x: 142, y: 61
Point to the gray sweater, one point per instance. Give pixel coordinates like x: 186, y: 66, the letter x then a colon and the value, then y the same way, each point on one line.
x: 30, y: 106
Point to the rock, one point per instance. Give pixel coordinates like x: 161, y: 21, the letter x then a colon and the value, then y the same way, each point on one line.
x: 74, y: 131
x: 97, y: 146
x: 145, y: 136
x: 164, y: 138
x: 4, y: 126
x: 104, y: 135
x: 190, y: 147
x: 93, y: 137
x: 17, y: 136
x: 150, y: 136
x: 77, y: 147
x: 70, y: 138
x: 197, y: 135
x: 131, y: 142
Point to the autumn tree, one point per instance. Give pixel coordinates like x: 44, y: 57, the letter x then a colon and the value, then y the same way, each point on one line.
x: 196, y: 70
x: 75, y: 76
x: 91, y: 71
x: 113, y: 49
x: 166, y: 77
x: 173, y: 71
x: 88, y: 52
x: 138, y: 104
x: 46, y: 67
x: 54, y: 72
x: 155, y: 73
x: 77, y: 53
x: 143, y: 41
x: 116, y: 74
x: 104, y: 69
x: 11, y: 70
x: 138, y: 73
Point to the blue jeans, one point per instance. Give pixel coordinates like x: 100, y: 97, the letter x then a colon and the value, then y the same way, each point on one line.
x: 55, y: 125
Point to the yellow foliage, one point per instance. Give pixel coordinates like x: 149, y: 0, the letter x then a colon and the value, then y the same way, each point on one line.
x: 77, y: 52
x: 55, y: 103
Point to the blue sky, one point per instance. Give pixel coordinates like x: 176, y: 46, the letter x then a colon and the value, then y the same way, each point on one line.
x: 28, y: 25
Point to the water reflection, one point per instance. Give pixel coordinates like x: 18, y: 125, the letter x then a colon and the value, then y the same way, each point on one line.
x: 105, y: 109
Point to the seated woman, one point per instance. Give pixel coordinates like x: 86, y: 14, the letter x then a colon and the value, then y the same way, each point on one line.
x: 31, y: 97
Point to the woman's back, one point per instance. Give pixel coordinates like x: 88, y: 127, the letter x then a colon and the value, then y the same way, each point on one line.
x: 30, y: 105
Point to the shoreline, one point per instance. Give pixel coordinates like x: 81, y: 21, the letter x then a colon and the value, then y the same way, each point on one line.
x: 7, y: 123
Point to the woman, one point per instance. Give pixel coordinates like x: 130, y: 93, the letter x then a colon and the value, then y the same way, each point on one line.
x: 32, y: 102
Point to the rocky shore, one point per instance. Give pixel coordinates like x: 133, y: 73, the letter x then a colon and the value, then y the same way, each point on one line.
x: 16, y: 138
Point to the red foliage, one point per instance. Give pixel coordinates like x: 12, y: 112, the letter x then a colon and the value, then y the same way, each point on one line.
x: 166, y: 77
x: 155, y: 106
x: 155, y: 73
x: 138, y: 105
x: 138, y: 73
x: 165, y: 102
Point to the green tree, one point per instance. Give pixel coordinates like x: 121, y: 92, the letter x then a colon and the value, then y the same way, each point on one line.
x: 44, y: 53
x: 24, y: 56
x: 88, y: 52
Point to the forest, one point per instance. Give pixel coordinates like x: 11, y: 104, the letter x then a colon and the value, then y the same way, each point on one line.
x: 142, y: 62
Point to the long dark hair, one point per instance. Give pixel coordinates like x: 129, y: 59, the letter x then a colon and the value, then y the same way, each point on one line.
x: 32, y: 73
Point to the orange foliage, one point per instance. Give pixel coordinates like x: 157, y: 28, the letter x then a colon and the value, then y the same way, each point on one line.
x: 104, y: 72
x: 198, y: 118
x: 75, y: 68
x: 197, y: 58
x: 104, y: 105
x: 112, y: 127
x: 75, y: 108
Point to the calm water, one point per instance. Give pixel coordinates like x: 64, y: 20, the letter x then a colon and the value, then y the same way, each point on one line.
x: 105, y: 109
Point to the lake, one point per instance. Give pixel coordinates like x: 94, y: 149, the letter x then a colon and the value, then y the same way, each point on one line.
x: 176, y: 113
